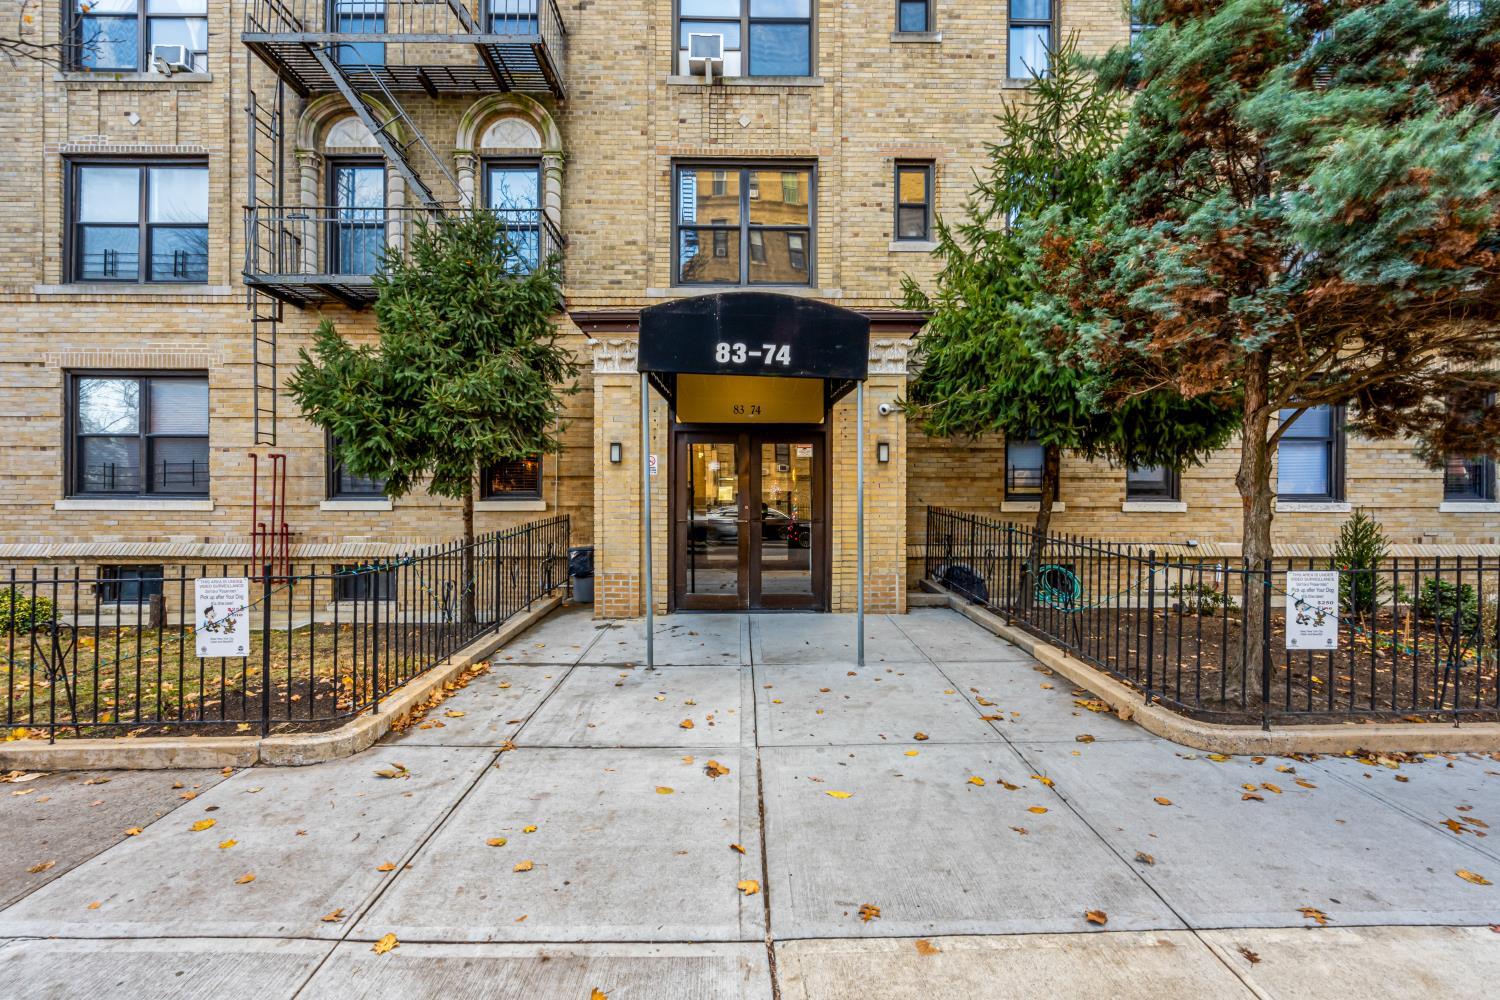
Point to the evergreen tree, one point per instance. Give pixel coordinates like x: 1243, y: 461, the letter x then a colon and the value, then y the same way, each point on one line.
x: 977, y: 374
x: 467, y: 371
x: 1302, y: 212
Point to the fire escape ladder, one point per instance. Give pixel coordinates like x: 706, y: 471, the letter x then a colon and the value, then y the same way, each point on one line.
x: 382, y: 123
x: 262, y: 243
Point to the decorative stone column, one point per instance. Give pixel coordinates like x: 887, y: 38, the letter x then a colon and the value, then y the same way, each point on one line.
x: 618, y: 554
x: 309, y: 188
x: 885, y: 487
x: 465, y: 163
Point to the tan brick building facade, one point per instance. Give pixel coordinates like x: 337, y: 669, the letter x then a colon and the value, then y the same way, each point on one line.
x: 605, y: 139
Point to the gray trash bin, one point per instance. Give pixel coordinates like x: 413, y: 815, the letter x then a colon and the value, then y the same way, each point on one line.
x: 581, y: 572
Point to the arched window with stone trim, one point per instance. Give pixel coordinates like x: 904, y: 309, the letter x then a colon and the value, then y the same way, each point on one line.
x: 353, y: 205
x: 509, y: 158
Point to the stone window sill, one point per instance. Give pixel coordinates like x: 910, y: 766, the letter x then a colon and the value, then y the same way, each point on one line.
x: 916, y: 37
x: 352, y: 505
x: 746, y: 81
x: 112, y: 76
x: 140, y: 289
x: 912, y: 246
x: 1469, y: 507
x: 510, y: 505
x: 1028, y: 506
x: 1154, y: 507
x: 1313, y: 506
x: 133, y: 503
x: 692, y: 291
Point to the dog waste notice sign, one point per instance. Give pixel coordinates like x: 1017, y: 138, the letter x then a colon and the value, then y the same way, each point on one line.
x: 223, y: 624
x: 1312, y: 602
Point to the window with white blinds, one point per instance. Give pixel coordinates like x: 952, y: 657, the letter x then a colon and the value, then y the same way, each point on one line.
x: 1309, y: 457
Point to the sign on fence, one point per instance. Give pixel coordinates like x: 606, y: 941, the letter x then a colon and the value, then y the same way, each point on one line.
x: 222, y: 627
x: 1312, y: 609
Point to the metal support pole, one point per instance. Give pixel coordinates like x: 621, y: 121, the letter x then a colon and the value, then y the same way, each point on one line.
x: 646, y: 517
x: 859, y: 522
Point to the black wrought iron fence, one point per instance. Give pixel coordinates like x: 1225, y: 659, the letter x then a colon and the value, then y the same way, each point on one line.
x: 1415, y: 638
x: 84, y: 655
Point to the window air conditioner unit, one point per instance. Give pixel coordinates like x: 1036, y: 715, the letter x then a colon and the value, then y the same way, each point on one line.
x: 706, y: 55
x: 169, y: 59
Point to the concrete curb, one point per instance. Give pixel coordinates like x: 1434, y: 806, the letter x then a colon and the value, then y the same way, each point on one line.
x: 1126, y: 701
x: 288, y: 750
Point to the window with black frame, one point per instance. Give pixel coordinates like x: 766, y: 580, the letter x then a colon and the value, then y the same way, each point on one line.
x: 1469, y: 478
x: 1151, y: 482
x: 138, y: 435
x: 1309, y: 456
x: 139, y: 35
x: 913, y: 15
x: 513, y: 191
x: 356, y: 235
x: 516, y: 479
x: 514, y: 17
x: 746, y: 225
x: 139, y: 222
x: 1024, y: 459
x: 1029, y: 41
x: 364, y: 583
x: 358, y: 17
x: 759, y: 37
x: 129, y: 584
x: 343, y: 484
x: 914, y: 202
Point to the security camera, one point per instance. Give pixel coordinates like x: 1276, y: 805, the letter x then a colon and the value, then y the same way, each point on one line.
x: 886, y: 409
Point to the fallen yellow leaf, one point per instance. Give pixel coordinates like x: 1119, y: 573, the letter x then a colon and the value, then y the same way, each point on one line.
x: 714, y: 769
x: 203, y: 824
x: 663, y: 790
x: 1313, y: 914
x: 1083, y: 738
x: 926, y: 947
x: 385, y: 944
x: 737, y: 848
x: 524, y: 866
x: 919, y: 736
x: 1046, y: 781
x: 245, y: 879
x: 597, y: 994
x: 496, y: 842
x: 387, y: 867
x: 685, y: 724
x: 1473, y: 877
x: 1162, y: 800
x: 95, y: 905
x: 453, y: 713
x: 837, y: 795
x: 41, y: 866
x: 528, y: 829
x: 868, y: 912
x: 749, y: 886
x: 912, y: 753
x: 975, y: 779
x: 1220, y: 757
x: 134, y: 831
x: 334, y: 917
x: 225, y: 845
x: 1037, y: 809
x: 1096, y: 917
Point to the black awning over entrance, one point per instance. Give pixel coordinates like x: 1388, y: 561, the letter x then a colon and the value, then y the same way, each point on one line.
x: 754, y: 333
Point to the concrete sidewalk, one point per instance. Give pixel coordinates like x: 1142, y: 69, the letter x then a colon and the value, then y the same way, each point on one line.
x: 950, y: 784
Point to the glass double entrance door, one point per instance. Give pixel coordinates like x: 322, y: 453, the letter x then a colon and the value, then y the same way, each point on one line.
x: 748, y: 521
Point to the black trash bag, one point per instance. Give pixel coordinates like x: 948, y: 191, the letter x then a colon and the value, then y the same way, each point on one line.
x: 581, y: 561
x: 963, y: 580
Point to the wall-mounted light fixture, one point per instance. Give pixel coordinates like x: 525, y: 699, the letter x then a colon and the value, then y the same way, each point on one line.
x: 882, y: 451
x: 616, y: 453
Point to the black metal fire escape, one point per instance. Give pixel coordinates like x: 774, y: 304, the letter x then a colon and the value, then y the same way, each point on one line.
x: 368, y: 51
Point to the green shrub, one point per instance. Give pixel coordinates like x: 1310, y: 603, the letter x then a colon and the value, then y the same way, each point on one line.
x: 1201, y: 599
x: 22, y: 613
x: 1361, y: 548
x: 1443, y: 600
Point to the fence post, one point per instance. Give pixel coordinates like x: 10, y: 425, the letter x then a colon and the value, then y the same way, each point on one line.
x: 265, y: 649
x: 1010, y: 568
x: 375, y: 646
x: 1265, y: 647
x: 1150, y: 623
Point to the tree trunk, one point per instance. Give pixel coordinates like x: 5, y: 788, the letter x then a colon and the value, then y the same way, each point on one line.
x: 468, y: 560
x: 1051, y: 478
x: 1253, y: 480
